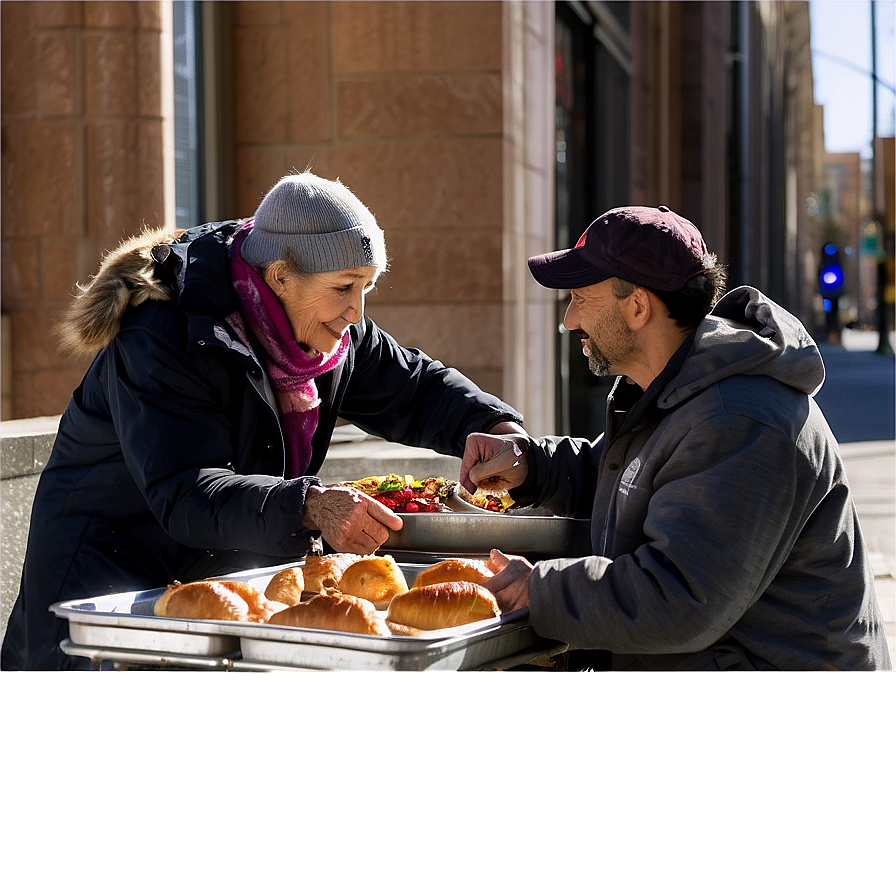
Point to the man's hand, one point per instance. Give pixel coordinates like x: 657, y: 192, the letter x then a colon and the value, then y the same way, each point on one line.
x: 347, y: 519
x: 496, y: 462
x: 510, y: 584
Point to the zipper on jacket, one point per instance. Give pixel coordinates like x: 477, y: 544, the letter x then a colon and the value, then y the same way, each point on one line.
x: 254, y: 372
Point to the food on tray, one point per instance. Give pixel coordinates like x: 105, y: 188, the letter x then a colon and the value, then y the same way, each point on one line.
x: 404, y: 494
x: 442, y: 605
x: 376, y: 579
x: 454, y: 570
x: 495, y: 503
x: 321, y: 569
x: 210, y: 599
x: 286, y: 586
x: 484, y: 500
x: 333, y: 611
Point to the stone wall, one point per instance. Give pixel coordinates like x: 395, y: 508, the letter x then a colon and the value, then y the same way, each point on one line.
x: 82, y: 168
x: 25, y: 447
x: 404, y: 103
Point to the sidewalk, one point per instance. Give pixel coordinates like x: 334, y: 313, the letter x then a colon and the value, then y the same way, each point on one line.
x: 859, y: 401
x: 870, y: 467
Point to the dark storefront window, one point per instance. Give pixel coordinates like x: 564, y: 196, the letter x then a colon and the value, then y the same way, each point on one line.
x: 573, y: 106
x: 188, y: 124
x: 593, y: 63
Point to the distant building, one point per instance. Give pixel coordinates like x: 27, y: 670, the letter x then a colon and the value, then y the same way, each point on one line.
x: 843, y: 211
x: 859, y: 219
x: 884, y: 211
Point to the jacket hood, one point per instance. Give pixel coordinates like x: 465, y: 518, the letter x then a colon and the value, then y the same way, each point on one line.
x: 126, y: 278
x: 748, y: 334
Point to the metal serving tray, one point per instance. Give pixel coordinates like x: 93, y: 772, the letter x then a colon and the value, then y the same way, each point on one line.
x: 125, y: 622
x: 478, y: 532
x: 462, y: 647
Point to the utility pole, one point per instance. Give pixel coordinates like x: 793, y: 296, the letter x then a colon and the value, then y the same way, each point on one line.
x: 883, y: 335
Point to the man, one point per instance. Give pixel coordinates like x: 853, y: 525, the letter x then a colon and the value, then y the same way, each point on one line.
x: 723, y: 530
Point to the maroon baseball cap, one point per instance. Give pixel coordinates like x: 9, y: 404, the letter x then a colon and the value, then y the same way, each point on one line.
x: 651, y: 247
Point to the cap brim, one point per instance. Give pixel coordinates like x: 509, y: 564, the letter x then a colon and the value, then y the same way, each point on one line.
x: 565, y: 269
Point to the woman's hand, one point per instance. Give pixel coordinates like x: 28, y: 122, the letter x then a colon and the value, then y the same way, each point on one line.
x: 493, y: 462
x: 510, y: 584
x: 347, y: 519
x: 508, y: 428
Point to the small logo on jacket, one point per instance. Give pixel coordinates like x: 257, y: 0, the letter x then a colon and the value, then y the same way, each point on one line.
x: 627, y: 483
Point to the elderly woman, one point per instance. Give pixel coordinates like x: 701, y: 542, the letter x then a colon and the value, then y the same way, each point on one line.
x: 223, y: 356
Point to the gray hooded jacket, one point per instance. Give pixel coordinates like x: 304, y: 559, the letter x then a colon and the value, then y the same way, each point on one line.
x: 723, y: 530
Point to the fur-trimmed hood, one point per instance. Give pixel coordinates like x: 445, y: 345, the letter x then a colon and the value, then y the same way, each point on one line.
x: 126, y: 277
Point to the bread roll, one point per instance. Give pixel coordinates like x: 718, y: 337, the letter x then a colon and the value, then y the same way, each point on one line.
x: 202, y: 600
x: 286, y: 586
x: 454, y: 570
x: 210, y: 599
x: 442, y: 605
x: 377, y: 579
x: 335, y: 612
x: 322, y: 570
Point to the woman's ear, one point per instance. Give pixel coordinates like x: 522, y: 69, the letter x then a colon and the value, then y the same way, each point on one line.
x: 275, y: 276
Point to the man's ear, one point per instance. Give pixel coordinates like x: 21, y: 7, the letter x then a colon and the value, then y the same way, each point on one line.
x: 638, y: 307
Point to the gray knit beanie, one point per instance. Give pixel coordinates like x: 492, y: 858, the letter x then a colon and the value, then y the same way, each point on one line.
x: 321, y: 221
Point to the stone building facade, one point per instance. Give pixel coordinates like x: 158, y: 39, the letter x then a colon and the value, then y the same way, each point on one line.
x: 479, y: 133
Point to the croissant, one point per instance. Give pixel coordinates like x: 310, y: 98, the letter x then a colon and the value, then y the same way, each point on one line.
x: 441, y: 605
x: 376, y: 579
x: 333, y: 611
x: 209, y: 599
x: 454, y: 570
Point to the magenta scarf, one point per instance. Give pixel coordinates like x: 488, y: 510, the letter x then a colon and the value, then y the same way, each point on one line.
x: 291, y: 369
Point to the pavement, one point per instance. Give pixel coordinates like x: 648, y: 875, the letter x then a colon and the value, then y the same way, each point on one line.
x: 859, y: 402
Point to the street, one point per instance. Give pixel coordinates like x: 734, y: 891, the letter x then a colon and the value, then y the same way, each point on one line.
x: 858, y: 394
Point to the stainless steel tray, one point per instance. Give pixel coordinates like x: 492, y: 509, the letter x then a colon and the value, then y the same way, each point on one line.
x: 124, y: 622
x: 516, y: 533
x: 462, y: 647
x: 119, y: 660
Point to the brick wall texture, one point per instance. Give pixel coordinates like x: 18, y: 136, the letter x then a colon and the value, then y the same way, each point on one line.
x: 81, y: 167
x: 400, y: 100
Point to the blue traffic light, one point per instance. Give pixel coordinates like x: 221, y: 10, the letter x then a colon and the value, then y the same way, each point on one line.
x: 830, y: 275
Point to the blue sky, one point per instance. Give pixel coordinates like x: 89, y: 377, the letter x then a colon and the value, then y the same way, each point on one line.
x: 841, y: 44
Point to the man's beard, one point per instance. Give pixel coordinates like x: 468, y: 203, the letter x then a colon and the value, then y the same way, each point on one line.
x: 597, y: 362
